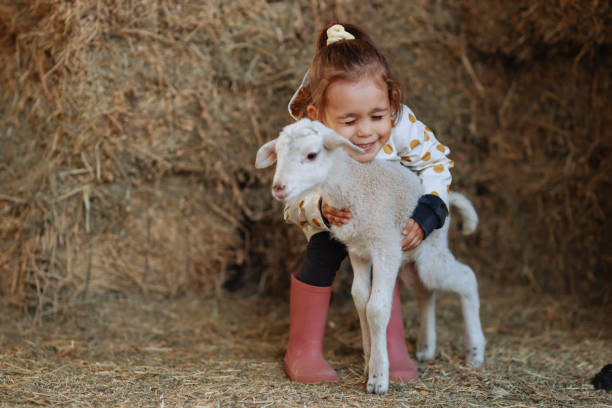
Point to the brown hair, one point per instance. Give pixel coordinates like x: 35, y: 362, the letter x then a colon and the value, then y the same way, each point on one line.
x: 348, y: 60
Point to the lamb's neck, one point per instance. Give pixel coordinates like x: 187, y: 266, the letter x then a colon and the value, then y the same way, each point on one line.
x: 338, y: 187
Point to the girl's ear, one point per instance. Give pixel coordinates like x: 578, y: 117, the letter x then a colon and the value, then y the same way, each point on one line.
x: 312, y: 111
x: 266, y: 155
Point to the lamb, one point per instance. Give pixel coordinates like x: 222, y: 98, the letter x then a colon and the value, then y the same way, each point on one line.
x: 380, y: 195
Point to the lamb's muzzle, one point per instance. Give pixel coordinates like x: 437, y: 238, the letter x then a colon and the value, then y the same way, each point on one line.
x: 279, y: 190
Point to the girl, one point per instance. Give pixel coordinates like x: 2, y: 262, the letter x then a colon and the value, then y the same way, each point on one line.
x: 349, y: 88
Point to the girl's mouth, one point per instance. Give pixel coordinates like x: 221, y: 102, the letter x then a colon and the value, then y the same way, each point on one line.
x: 366, y: 146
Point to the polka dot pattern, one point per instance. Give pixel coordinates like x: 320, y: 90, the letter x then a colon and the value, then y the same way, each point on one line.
x: 426, y: 156
x: 439, y: 168
x: 426, y: 136
x: 411, y: 117
x: 435, y: 193
x: 441, y: 148
x: 388, y: 149
x: 415, y: 143
x: 317, y: 223
x: 301, y: 204
x: 406, y: 158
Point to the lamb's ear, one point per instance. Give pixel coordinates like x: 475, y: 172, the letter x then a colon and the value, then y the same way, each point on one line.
x: 266, y: 155
x: 332, y: 140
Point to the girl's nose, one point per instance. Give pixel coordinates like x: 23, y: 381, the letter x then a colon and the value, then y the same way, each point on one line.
x: 364, y: 130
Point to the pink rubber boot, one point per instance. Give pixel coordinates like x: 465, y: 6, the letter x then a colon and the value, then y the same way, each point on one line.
x: 401, y: 367
x: 304, y: 360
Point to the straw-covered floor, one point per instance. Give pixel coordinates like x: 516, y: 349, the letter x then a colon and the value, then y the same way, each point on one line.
x: 144, y: 351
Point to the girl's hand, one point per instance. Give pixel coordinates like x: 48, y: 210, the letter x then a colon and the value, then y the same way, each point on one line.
x: 413, y: 235
x: 335, y: 216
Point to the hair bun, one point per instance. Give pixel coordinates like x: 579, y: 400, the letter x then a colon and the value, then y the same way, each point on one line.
x: 337, y: 33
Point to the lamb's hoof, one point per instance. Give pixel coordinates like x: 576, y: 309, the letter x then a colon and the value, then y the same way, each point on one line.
x: 475, y: 356
x: 426, y: 354
x: 378, y: 384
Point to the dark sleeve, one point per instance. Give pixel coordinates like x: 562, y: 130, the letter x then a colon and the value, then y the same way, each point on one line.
x: 430, y: 213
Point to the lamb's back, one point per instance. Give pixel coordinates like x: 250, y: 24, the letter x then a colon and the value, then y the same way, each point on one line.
x: 382, y: 195
x: 390, y: 186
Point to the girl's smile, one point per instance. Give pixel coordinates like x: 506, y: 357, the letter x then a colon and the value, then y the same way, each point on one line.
x: 359, y: 111
x: 367, y: 147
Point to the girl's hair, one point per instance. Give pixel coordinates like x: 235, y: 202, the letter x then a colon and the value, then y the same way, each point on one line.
x: 347, y: 60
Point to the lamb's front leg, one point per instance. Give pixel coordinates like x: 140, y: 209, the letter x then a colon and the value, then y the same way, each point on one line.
x: 384, y: 274
x: 361, y: 293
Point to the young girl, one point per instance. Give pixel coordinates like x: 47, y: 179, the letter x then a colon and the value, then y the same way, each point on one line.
x: 349, y: 88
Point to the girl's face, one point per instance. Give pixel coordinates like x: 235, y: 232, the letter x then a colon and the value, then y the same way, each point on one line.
x: 359, y: 111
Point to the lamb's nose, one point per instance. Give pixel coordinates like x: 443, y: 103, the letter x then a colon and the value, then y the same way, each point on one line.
x: 279, y: 189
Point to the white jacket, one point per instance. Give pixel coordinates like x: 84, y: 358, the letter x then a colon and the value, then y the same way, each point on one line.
x: 414, y: 145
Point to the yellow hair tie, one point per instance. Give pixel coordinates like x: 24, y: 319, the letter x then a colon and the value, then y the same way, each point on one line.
x: 337, y: 33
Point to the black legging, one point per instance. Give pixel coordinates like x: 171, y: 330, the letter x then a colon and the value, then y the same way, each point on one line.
x: 323, y: 257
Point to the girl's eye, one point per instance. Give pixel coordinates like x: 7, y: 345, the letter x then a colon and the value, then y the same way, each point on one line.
x: 350, y: 123
x: 377, y: 117
x: 311, y: 156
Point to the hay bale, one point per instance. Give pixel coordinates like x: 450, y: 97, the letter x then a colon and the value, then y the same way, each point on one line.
x: 128, y: 132
x: 546, y: 157
x: 526, y: 29
x: 548, y: 169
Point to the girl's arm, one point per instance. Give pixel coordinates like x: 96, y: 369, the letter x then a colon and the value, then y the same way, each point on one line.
x: 306, y: 213
x: 421, y: 152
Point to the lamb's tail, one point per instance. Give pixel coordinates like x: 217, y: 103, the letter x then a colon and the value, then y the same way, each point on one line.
x: 467, y: 211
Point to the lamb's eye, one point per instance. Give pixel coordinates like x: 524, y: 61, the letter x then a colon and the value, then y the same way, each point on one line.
x: 311, y: 156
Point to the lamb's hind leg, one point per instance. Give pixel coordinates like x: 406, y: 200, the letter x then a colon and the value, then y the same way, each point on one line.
x: 385, y: 267
x: 446, y: 273
x: 426, y: 343
x: 426, y: 299
x: 361, y: 293
x: 475, y: 340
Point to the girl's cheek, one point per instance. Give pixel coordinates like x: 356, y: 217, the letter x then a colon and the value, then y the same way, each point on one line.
x: 343, y: 132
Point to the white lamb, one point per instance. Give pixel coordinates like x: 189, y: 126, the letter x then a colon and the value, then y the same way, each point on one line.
x: 381, y: 195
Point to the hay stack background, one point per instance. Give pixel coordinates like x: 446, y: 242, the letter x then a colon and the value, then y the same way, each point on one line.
x: 128, y: 132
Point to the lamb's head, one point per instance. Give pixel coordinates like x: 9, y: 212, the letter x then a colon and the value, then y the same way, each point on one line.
x: 303, y: 152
